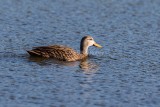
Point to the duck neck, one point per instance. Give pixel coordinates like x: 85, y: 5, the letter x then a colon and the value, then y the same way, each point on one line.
x: 84, y: 50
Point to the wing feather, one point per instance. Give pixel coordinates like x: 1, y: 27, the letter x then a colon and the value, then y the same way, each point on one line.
x: 56, y: 51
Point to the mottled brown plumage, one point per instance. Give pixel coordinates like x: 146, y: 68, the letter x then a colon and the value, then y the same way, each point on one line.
x: 65, y: 53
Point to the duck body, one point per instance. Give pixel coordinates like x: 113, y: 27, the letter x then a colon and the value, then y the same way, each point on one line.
x: 57, y: 51
x: 65, y: 53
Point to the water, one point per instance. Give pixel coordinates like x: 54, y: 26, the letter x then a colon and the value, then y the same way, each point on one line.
x: 125, y: 73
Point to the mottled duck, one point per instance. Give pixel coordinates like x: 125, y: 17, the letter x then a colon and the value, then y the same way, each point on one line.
x: 65, y: 53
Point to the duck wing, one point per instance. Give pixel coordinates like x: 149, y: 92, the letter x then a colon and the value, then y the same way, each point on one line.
x: 56, y: 51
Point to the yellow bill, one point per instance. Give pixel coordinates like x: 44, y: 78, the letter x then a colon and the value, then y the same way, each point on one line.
x: 97, y: 45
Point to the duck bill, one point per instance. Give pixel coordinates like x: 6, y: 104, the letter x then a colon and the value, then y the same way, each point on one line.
x: 97, y: 45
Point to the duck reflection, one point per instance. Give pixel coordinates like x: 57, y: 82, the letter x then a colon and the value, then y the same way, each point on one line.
x: 88, y: 66
x: 85, y: 65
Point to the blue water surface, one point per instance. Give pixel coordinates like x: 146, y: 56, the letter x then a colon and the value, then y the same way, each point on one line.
x: 124, y: 73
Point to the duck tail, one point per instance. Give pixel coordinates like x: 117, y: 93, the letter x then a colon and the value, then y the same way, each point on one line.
x: 33, y: 53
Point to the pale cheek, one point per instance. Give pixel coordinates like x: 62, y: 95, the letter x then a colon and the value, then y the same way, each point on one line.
x: 91, y: 43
